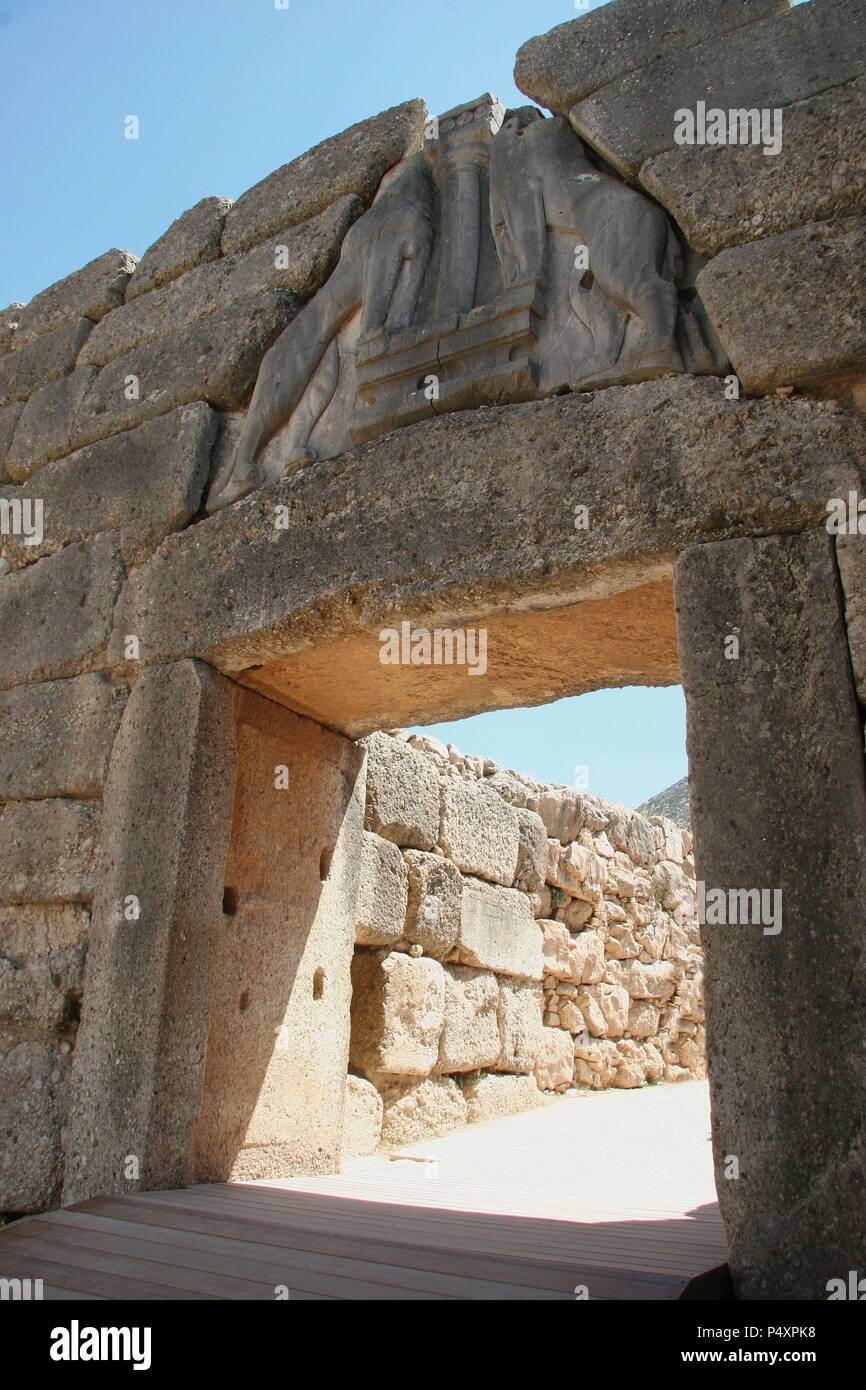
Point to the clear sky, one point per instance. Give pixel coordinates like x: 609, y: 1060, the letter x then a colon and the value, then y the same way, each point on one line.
x: 225, y: 91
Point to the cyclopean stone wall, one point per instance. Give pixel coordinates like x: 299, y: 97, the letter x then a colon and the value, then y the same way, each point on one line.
x: 512, y: 939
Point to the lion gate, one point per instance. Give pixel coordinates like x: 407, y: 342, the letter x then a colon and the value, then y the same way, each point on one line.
x: 562, y: 378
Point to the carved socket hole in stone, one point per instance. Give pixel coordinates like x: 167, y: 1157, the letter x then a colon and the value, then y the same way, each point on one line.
x: 325, y: 862
x: 230, y: 901
x: 244, y: 1001
x: 318, y: 982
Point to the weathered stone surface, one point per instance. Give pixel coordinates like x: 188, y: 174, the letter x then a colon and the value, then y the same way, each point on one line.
x: 557, y: 950
x: 402, y: 793
x: 531, y: 851
x: 8, y: 324
x: 88, y: 293
x: 380, y: 913
x: 398, y: 1006
x: 56, y: 615
x: 418, y: 1110
x: 433, y: 911
x: 140, y: 1051
x: 554, y: 1063
x: 561, y: 67
x: 469, y: 1039
x: 34, y: 1075
x: 643, y: 1019
x: 47, y: 849
x: 791, y: 309
x: 491, y: 1096
x: 42, y: 953
x: 56, y: 737
x: 657, y: 981
x: 144, y: 484
x: 192, y: 238
x: 362, y: 1118
x: 576, y: 869
x: 480, y: 832
x: 520, y: 1025
x: 498, y: 931
x: 766, y: 65
x: 851, y: 558
x: 46, y: 358
x: 605, y: 1010
x: 46, y: 428
x: 725, y: 195
x: 308, y: 254
x: 9, y: 416
x: 787, y: 1086
x: 352, y: 162
x: 705, y: 466
x: 562, y: 811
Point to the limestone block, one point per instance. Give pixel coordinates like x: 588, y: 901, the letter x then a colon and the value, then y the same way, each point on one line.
x: 9, y: 416
x: 42, y: 952
x: 89, y: 293
x: 433, y: 912
x: 34, y: 1079
x: 569, y: 62
x: 418, y: 1110
x: 574, y: 912
x: 56, y: 737
x: 851, y: 559
x: 588, y: 954
x: 556, y: 949
x: 562, y: 811
x: 789, y: 309
x: 554, y: 1063
x: 382, y: 893
x: 768, y: 64
x: 596, y: 1062
x: 516, y: 792
x: 657, y: 981
x: 723, y: 196
x: 480, y: 832
x: 492, y: 1096
x: 41, y: 360
x: 56, y: 615
x: 46, y: 428
x: 531, y: 852
x: 498, y: 931
x: 144, y: 484
x: 362, y: 1118
x: 398, y: 1005
x: 520, y: 1025
x: 48, y: 849
x: 402, y: 793
x: 577, y: 870
x: 605, y: 1009
x: 307, y: 255
x: 643, y: 1019
x: 192, y: 239
x: 352, y: 162
x: 469, y: 1040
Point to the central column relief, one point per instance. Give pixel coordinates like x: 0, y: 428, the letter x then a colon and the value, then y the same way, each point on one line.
x: 500, y: 263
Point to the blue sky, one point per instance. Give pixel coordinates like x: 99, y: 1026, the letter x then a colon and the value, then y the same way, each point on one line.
x: 225, y: 91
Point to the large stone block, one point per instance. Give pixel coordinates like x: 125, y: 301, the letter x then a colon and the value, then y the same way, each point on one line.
x: 47, y: 427
x: 531, y: 851
x: 140, y: 1051
x: 725, y: 195
x: 307, y: 255
x: 765, y: 65
x: 851, y: 558
x: 383, y: 892
x: 604, y: 1009
x: 418, y: 1110
x: 776, y: 741
x: 520, y: 1025
x: 41, y: 360
x: 554, y: 1065
x: 791, y: 309
x: 362, y: 1118
x: 352, y: 162
x: 576, y: 870
x: 491, y: 1097
x: 42, y: 952
x: 498, y: 931
x: 34, y: 1082
x: 56, y: 737
x: 9, y: 417
x: 47, y: 849
x: 88, y: 293
x: 480, y: 832
x: 143, y: 484
x: 56, y: 615
x: 398, y: 1004
x: 470, y: 1038
x: 657, y: 981
x: 433, y: 910
x: 561, y: 67
x: 192, y: 239
x: 402, y: 793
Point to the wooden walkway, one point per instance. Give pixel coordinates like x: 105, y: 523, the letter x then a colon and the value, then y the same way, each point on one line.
x: 613, y: 1193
